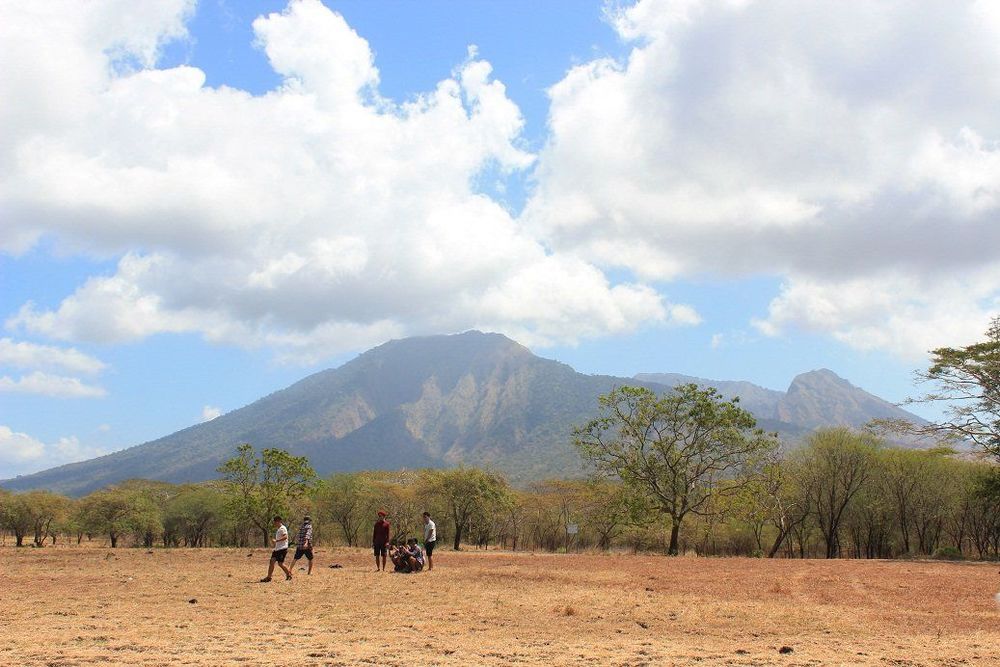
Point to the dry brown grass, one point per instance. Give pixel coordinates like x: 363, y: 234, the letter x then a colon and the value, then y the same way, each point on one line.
x: 67, y: 606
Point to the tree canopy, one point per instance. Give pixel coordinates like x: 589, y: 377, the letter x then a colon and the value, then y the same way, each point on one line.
x: 966, y: 382
x: 682, y: 449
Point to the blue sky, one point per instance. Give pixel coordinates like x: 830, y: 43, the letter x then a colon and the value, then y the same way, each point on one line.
x: 219, y: 199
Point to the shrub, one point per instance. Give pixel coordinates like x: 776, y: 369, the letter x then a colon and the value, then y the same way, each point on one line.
x: 947, y: 553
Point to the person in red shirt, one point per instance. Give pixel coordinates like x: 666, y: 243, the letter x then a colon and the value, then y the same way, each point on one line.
x: 380, y: 539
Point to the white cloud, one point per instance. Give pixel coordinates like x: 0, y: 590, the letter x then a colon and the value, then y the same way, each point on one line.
x: 908, y: 316
x: 210, y: 412
x: 22, y: 354
x: 317, y: 218
x: 852, y: 149
x: 21, y: 454
x: 45, y: 384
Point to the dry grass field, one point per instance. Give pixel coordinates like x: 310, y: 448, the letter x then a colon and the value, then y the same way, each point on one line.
x: 66, y: 606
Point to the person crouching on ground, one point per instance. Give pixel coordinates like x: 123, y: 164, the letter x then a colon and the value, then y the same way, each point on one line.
x: 279, y: 551
x: 380, y: 539
x: 304, y: 543
x: 430, y: 539
x: 414, y: 555
x: 400, y: 559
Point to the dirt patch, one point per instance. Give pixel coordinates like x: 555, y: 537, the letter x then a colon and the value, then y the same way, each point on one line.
x: 68, y: 606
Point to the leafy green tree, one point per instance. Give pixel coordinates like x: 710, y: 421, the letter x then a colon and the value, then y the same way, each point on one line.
x: 46, y: 510
x: 348, y: 499
x: 512, y: 519
x: 464, y: 492
x: 259, y: 488
x: 966, y: 381
x: 116, y: 511
x: 835, y: 465
x: 5, y: 497
x: 607, y: 508
x: 17, y: 516
x: 192, y: 514
x: 680, y: 450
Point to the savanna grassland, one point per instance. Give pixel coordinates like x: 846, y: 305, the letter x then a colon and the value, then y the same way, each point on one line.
x: 87, y: 606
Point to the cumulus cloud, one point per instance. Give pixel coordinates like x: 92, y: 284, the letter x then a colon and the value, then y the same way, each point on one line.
x: 23, y: 354
x: 210, y: 412
x: 907, y: 315
x: 317, y: 218
x: 54, y: 386
x: 852, y: 149
x: 20, y: 453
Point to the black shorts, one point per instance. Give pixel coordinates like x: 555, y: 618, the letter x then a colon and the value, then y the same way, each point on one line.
x: 429, y: 547
x: 300, y: 552
x: 279, y: 555
x: 380, y: 549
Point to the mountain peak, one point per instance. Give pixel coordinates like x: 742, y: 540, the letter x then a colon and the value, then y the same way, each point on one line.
x: 820, y: 376
x: 823, y: 398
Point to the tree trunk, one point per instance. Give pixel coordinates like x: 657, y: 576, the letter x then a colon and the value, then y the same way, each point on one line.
x: 675, y: 530
x: 777, y: 543
x: 114, y: 540
x: 458, y: 536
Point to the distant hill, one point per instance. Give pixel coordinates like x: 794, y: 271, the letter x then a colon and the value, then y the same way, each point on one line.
x: 472, y: 398
x: 814, y: 399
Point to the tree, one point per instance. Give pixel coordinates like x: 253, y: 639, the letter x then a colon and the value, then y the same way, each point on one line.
x: 45, y: 509
x: 5, y: 497
x: 348, y: 499
x: 607, y: 508
x: 966, y: 380
x: 116, y: 511
x: 464, y: 492
x: 259, y: 488
x: 17, y: 516
x: 681, y: 450
x: 836, y: 463
x: 191, y: 514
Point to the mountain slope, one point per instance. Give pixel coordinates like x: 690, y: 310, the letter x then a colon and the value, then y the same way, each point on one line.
x: 472, y: 398
x: 758, y: 400
x: 814, y: 399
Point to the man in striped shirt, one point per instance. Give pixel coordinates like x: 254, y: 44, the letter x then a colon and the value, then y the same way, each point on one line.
x: 304, y: 543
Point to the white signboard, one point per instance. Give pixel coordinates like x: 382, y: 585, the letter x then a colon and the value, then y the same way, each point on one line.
x: 572, y: 529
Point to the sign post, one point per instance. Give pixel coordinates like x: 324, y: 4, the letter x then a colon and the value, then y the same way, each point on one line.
x: 571, y: 529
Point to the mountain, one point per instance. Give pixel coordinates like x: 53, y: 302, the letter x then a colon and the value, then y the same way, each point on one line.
x: 758, y: 400
x: 473, y: 398
x: 814, y: 399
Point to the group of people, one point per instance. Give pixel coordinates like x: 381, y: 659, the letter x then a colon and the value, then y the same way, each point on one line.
x: 405, y: 557
x: 408, y: 557
x: 279, y: 552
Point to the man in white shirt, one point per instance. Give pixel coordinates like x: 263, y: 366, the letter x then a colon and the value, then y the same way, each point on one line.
x: 279, y: 552
x: 430, y: 539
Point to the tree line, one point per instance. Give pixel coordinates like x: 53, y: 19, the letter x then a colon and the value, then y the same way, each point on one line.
x: 842, y: 494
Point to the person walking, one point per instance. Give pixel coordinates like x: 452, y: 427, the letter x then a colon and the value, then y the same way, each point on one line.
x: 430, y: 539
x: 304, y: 543
x: 279, y: 551
x: 380, y: 539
